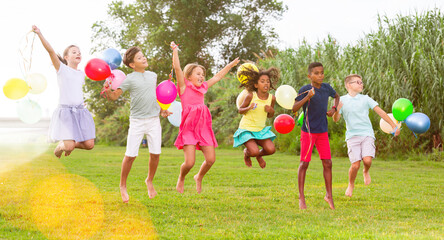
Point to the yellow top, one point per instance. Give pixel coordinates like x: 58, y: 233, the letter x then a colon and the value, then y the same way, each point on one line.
x: 254, y: 119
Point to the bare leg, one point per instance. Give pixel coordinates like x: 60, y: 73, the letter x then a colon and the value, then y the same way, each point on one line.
x: 267, y: 149
x: 251, y: 150
x: 86, y: 145
x: 367, y: 164
x: 127, y: 163
x: 301, y: 182
x: 154, y: 162
x: 68, y: 146
x: 58, y: 151
x: 210, y: 158
x: 327, y: 165
x: 190, y: 158
x: 352, y: 172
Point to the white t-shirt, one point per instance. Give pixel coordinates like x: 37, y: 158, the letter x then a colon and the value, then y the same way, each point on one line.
x: 70, y: 85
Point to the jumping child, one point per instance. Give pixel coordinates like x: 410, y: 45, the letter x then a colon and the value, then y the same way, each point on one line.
x: 71, y: 124
x: 195, y: 130
x: 257, y: 106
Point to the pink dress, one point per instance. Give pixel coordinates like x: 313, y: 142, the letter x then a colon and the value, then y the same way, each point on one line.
x: 196, y: 125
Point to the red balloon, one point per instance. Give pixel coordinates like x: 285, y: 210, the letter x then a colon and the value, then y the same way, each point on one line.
x: 97, y: 69
x: 284, y: 123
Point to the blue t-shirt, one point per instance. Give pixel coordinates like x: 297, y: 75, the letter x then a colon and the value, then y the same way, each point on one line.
x: 316, y: 107
x: 355, y: 113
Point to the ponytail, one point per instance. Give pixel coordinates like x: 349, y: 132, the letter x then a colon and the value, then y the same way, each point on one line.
x: 65, y: 53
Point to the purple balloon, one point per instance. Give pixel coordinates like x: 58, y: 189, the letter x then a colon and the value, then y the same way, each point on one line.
x: 166, y: 92
x: 418, y: 122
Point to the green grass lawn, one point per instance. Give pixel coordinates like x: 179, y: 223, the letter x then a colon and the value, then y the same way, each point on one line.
x: 45, y: 198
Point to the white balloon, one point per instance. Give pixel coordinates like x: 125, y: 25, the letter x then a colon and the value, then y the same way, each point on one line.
x: 29, y: 111
x: 176, y: 117
x: 285, y: 96
x: 240, y: 98
x: 36, y: 82
x: 385, y: 126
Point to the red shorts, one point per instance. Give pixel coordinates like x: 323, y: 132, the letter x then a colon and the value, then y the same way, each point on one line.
x: 320, y: 140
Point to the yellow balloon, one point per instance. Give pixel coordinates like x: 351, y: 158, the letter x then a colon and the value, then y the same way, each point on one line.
x: 163, y: 106
x: 385, y: 126
x: 285, y: 96
x: 244, y: 67
x: 36, y: 82
x: 240, y: 98
x: 15, y: 88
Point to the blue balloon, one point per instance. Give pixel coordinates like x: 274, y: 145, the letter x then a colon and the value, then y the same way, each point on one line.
x: 418, y: 122
x: 176, y: 109
x: 112, y: 57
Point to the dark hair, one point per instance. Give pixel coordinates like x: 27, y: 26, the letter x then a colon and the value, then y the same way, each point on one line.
x: 129, y: 55
x: 313, y: 65
x: 253, y: 76
x: 65, y: 53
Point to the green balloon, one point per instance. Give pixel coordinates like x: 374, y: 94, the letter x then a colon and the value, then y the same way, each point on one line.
x: 301, y: 119
x: 402, y: 108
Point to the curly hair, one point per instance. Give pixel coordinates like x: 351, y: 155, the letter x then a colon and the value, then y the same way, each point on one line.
x: 253, y: 76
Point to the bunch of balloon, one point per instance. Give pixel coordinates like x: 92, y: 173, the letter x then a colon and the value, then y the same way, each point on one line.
x: 246, y: 66
x: 283, y: 123
x: 97, y: 69
x: 403, y: 111
x: 285, y: 96
x: 166, y: 93
x: 176, y: 117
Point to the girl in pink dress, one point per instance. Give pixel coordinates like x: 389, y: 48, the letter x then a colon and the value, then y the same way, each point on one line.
x: 195, y: 131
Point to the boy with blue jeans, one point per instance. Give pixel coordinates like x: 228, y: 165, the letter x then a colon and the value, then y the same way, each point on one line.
x: 314, y: 100
x: 359, y: 135
x: 144, y: 117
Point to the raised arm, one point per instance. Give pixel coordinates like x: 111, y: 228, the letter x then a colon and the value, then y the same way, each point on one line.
x: 177, y: 68
x: 386, y: 118
x: 222, y: 72
x: 52, y: 54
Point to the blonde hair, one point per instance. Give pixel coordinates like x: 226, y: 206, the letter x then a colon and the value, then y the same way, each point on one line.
x: 65, y: 53
x: 189, y: 68
x: 350, y: 77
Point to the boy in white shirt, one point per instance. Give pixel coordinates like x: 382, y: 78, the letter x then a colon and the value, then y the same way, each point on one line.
x: 359, y: 135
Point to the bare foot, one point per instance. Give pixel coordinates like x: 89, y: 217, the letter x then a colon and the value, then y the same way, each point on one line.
x: 330, y: 202
x: 179, y: 185
x: 151, y: 191
x: 124, y: 194
x: 302, y: 204
x: 198, y: 183
x: 247, y: 159
x: 349, y: 191
x: 67, y: 153
x: 261, y: 161
x: 367, y: 178
x: 58, y: 151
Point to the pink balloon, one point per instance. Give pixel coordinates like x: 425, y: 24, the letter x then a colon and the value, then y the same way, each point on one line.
x: 96, y: 69
x: 166, y: 92
x: 116, y: 78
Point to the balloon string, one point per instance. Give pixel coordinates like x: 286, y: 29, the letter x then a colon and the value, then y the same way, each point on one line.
x: 109, y: 80
x: 26, y: 63
x: 307, y: 125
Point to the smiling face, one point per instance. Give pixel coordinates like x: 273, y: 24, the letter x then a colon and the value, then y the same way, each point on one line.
x: 72, y: 55
x: 263, y: 84
x: 139, y: 61
x: 197, y: 76
x: 355, y: 85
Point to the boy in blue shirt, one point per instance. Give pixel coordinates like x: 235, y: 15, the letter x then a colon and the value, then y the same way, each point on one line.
x: 314, y: 100
x: 359, y: 135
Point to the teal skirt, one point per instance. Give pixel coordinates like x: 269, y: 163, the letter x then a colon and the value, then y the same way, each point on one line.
x: 241, y: 136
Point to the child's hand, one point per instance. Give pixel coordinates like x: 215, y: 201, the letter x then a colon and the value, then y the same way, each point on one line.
x: 234, y: 62
x: 174, y: 46
x: 396, y: 131
x: 165, y: 113
x: 331, y: 112
x: 311, y: 93
x: 253, y: 106
x: 268, y: 109
x: 35, y: 29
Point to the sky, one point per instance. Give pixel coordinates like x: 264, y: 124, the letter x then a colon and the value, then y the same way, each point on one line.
x: 65, y: 22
